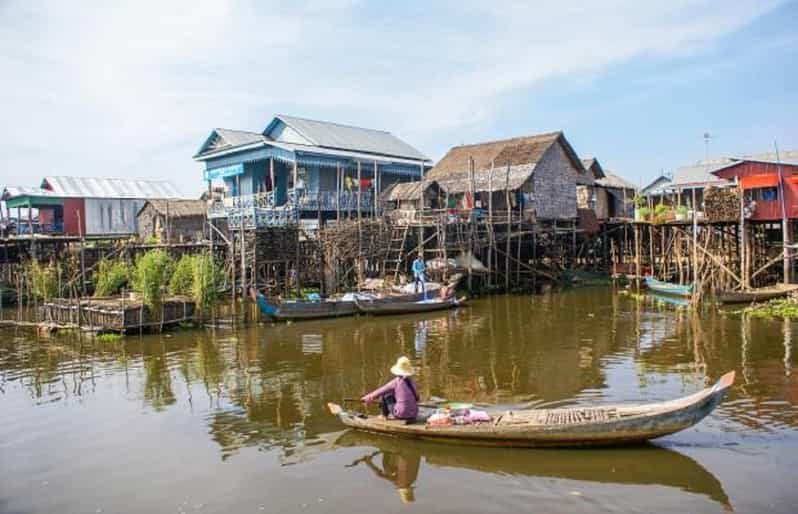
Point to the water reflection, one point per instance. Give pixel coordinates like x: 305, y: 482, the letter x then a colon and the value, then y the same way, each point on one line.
x: 264, y: 388
x: 649, y: 465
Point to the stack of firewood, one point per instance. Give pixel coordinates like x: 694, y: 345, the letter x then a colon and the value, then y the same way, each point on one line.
x: 722, y: 204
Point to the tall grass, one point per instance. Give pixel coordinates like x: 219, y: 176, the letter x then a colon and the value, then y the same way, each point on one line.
x: 110, y: 277
x: 150, y: 277
x: 43, y: 280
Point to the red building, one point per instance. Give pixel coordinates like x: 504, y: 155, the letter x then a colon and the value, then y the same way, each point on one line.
x: 760, y: 182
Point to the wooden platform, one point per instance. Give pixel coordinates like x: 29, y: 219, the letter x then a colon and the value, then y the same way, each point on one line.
x: 117, y: 314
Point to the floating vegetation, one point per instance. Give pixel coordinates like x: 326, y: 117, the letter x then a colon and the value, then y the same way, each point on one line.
x: 110, y: 277
x: 110, y: 337
x: 778, y: 308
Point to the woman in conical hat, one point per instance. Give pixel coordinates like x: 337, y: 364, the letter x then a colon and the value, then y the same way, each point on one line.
x: 399, y: 397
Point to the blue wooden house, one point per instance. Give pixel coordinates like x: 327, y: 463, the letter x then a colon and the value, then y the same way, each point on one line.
x: 300, y: 168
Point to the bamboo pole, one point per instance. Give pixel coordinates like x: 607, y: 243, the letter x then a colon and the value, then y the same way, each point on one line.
x: 509, y: 228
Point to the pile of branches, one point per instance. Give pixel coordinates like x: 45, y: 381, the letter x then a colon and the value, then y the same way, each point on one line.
x: 352, y: 251
x: 722, y: 204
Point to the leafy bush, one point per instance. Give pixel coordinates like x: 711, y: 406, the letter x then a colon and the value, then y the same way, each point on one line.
x: 182, y: 281
x: 660, y: 209
x: 640, y: 201
x: 207, y: 277
x: 682, y: 210
x: 110, y: 277
x: 150, y: 276
x: 43, y: 280
x: 645, y: 213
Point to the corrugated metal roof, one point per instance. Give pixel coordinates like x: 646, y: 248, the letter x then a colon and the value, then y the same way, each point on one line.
x: 238, y: 137
x: 700, y: 173
x: 15, y: 191
x: 485, y: 181
x: 611, y: 180
x: 94, y: 187
x: 347, y: 137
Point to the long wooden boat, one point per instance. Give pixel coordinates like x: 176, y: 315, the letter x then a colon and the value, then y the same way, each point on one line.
x: 295, y: 310
x: 761, y: 294
x: 573, y: 426
x: 378, y: 307
x: 668, y: 288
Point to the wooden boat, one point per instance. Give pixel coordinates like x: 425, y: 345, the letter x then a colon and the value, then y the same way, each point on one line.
x: 573, y: 426
x: 295, y: 310
x: 761, y: 294
x: 291, y: 310
x: 668, y: 288
x: 378, y: 307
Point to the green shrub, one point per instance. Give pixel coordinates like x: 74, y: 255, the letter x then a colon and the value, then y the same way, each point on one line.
x: 640, y: 201
x: 660, y: 209
x: 182, y: 281
x: 682, y: 210
x: 150, y: 277
x: 110, y: 277
x: 43, y: 280
x: 207, y: 278
x: 645, y: 213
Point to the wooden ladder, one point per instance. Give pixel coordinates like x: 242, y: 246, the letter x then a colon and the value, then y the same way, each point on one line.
x: 396, y: 251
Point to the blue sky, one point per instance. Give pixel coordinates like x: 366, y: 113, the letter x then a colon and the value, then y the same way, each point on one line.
x: 132, y: 89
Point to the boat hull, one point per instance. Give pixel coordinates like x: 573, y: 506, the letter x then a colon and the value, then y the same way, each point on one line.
x: 667, y: 288
x: 403, y: 307
x: 291, y: 311
x: 756, y: 295
x: 571, y: 427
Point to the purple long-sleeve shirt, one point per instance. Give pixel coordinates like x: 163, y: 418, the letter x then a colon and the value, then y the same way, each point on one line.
x: 404, y: 390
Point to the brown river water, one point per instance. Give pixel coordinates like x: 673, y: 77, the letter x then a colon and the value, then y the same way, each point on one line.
x: 201, y: 421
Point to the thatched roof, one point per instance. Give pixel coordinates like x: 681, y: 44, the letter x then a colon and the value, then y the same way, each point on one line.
x: 593, y: 167
x: 487, y: 181
x: 405, y: 191
x: 613, y: 181
x: 515, y: 152
x: 178, y: 208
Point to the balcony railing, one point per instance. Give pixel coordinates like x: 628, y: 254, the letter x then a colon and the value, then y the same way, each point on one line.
x: 258, y: 210
x: 305, y: 201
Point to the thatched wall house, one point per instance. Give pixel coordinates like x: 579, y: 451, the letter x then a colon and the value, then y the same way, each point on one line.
x: 586, y: 184
x: 172, y: 220
x: 614, y: 197
x: 540, y: 171
x: 403, y: 201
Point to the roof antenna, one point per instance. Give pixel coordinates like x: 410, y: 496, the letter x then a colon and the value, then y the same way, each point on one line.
x: 707, y: 137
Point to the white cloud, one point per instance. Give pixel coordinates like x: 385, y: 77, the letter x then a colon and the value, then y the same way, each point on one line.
x: 132, y: 89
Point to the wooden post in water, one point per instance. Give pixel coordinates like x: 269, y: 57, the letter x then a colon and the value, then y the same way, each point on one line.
x: 743, y: 275
x: 695, y: 242
x: 509, y: 231
x: 786, y: 236
x: 490, y: 224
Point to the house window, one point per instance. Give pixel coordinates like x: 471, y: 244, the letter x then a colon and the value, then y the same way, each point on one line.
x: 762, y: 194
x: 110, y: 218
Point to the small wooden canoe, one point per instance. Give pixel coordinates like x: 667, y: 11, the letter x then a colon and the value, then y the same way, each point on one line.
x: 573, y: 426
x: 668, y: 288
x: 292, y: 310
x: 761, y: 294
x: 377, y: 307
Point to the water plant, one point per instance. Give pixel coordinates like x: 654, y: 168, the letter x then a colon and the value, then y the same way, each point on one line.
x: 110, y: 337
x: 182, y: 280
x: 150, y: 277
x: 206, y: 279
x: 110, y: 277
x: 43, y: 280
x: 778, y: 308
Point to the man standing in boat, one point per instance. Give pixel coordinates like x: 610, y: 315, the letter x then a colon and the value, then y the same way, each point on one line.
x: 418, y: 274
x: 399, y: 397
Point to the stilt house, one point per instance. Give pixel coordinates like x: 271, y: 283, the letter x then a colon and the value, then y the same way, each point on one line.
x: 539, y: 173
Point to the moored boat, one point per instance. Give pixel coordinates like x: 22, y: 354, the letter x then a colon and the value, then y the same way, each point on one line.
x: 561, y: 427
x: 662, y: 287
x: 381, y: 307
x: 761, y: 294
